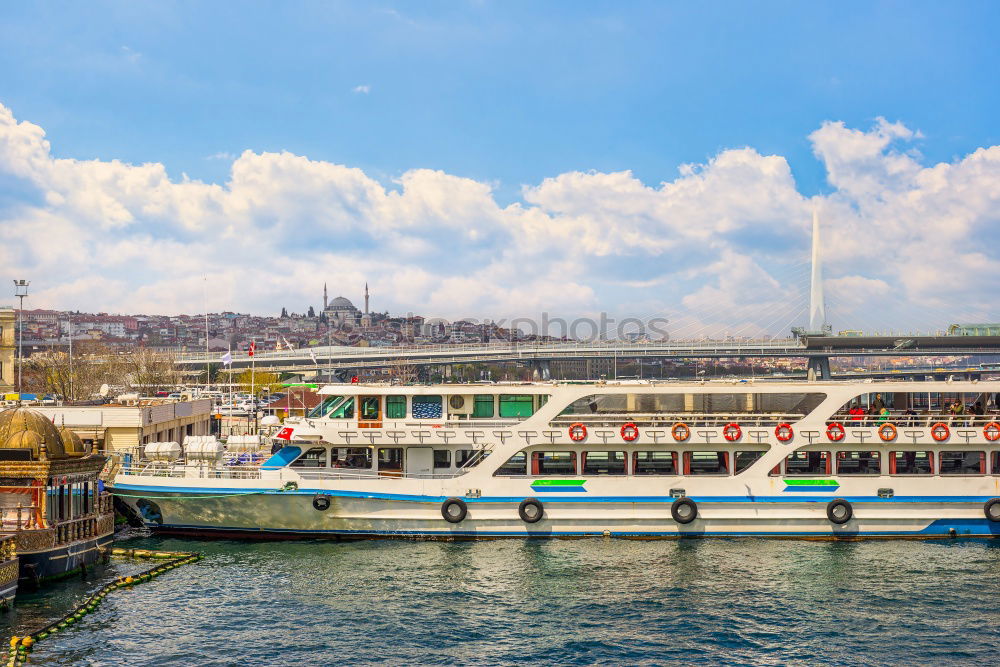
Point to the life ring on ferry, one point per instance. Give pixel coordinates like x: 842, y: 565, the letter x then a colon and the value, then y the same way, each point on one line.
x: 321, y: 502
x: 835, y: 431
x: 680, y: 431
x: 992, y: 509
x: 839, y: 511
x: 684, y: 510
x: 992, y: 431
x: 454, y: 510
x: 940, y: 431
x: 531, y: 510
x: 732, y: 432
x: 629, y: 432
x: 577, y: 432
x: 887, y: 432
x: 784, y: 432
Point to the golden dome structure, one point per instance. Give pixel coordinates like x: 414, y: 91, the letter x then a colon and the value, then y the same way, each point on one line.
x: 72, y: 443
x: 21, y: 428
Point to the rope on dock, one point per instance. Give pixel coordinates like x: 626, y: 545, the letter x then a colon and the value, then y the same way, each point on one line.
x: 20, y: 647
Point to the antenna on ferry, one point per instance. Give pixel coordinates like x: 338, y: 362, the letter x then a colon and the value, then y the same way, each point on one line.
x: 817, y: 308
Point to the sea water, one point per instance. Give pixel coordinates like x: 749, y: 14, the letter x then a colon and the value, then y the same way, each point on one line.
x: 588, y: 601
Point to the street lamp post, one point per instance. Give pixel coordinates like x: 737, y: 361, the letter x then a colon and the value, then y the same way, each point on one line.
x: 20, y: 291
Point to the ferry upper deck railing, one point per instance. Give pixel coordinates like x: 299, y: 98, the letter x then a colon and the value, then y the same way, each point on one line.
x: 254, y: 472
x: 666, y: 419
x: 924, y: 419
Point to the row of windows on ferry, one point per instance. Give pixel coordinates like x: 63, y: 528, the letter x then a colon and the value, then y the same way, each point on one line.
x: 844, y: 462
x: 431, y: 406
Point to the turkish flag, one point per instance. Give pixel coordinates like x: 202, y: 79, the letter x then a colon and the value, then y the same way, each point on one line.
x: 285, y: 433
x: 252, y: 348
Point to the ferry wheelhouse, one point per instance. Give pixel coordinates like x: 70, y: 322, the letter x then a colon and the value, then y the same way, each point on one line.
x: 638, y: 459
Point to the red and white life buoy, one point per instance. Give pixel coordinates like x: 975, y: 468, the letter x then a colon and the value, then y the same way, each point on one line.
x: 732, y: 432
x: 629, y: 432
x: 835, y: 431
x: 992, y: 431
x: 577, y: 432
x: 680, y: 431
x: 940, y: 431
x: 784, y: 432
x: 887, y: 432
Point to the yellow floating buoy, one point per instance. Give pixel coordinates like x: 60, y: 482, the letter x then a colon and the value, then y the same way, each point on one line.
x: 27, y: 642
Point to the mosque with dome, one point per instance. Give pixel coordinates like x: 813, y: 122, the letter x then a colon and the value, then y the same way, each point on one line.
x: 340, y: 312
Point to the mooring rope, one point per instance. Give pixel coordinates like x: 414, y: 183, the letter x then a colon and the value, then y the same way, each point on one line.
x: 20, y: 647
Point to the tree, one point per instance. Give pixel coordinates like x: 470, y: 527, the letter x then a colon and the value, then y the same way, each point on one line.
x: 284, y: 313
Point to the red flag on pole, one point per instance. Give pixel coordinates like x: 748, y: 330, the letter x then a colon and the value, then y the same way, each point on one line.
x: 252, y: 348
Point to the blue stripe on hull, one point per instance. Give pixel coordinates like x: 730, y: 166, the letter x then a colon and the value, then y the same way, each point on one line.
x: 127, y: 489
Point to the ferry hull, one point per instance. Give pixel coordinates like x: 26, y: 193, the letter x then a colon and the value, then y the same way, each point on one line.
x: 292, y: 515
x: 38, y: 567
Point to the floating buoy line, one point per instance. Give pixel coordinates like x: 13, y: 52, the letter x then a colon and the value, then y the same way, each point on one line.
x: 20, y: 647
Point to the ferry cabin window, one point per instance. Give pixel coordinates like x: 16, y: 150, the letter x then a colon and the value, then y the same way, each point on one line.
x: 482, y: 406
x: 553, y: 463
x: 442, y: 458
x: 395, y: 407
x: 604, y: 463
x: 324, y: 407
x: 344, y: 409
x: 859, y: 463
x: 911, y: 463
x: 744, y: 460
x: 313, y: 458
x: 706, y: 463
x: 466, y: 458
x: 962, y: 463
x: 427, y: 407
x: 807, y: 463
x: 513, y: 405
x: 515, y: 465
x: 390, y: 458
x: 995, y: 465
x: 654, y: 463
x: 369, y: 407
x: 357, y: 458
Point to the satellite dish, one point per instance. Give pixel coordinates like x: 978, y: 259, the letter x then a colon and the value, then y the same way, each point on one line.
x: 270, y: 420
x: 104, y: 390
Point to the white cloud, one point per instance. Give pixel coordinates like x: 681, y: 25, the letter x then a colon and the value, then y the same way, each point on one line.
x: 363, y: 89
x: 723, y: 244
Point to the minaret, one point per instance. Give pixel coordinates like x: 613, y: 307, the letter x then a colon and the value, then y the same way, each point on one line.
x: 366, y: 298
x: 817, y: 309
x: 324, y: 297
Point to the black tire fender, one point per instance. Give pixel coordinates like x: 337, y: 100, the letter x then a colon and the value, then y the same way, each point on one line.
x: 839, y: 511
x: 992, y: 509
x: 321, y: 502
x: 522, y: 510
x: 684, y: 510
x: 449, y: 515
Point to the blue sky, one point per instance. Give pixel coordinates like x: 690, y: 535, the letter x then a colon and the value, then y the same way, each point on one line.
x: 507, y: 95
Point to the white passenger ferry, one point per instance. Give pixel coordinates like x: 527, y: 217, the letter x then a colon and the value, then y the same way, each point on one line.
x: 657, y: 459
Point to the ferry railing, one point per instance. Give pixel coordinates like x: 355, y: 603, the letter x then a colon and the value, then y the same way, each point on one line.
x: 253, y: 472
x: 182, y: 469
x: 662, y: 419
x: 919, y: 420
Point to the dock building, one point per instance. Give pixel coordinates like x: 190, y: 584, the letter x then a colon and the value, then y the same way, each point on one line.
x: 117, y: 426
x: 8, y: 343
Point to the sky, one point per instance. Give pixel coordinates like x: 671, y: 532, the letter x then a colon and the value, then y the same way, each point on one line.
x: 506, y: 159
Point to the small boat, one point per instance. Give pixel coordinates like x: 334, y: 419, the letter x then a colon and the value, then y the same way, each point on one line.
x: 819, y: 460
x: 52, y: 504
